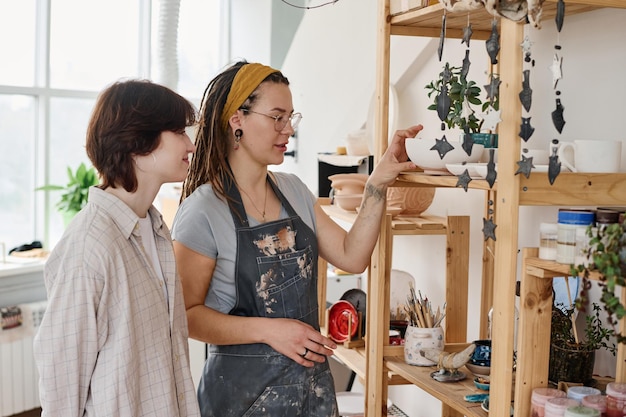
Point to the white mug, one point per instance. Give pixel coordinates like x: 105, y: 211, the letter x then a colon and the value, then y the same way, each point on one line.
x: 591, y: 155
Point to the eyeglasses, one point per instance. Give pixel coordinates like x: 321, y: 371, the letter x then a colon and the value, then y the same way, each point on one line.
x: 281, y: 120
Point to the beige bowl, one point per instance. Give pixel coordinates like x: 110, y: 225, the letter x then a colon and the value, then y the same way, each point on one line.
x: 348, y: 202
x: 348, y: 183
x: 412, y: 201
x: 421, y: 153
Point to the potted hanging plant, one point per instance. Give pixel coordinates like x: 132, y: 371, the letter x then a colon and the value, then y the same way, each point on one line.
x: 572, y: 358
x: 75, y: 192
x: 606, y: 256
x: 455, y: 99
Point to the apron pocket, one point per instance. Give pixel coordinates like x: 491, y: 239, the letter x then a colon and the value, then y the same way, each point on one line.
x: 278, y: 401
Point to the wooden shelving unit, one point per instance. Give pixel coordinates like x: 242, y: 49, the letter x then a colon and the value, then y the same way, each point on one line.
x: 511, y: 192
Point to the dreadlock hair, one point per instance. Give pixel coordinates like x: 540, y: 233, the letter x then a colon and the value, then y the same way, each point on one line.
x: 210, y: 161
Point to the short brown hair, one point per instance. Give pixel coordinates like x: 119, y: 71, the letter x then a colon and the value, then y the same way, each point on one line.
x: 127, y: 120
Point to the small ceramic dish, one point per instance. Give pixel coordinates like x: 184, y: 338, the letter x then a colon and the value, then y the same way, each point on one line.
x: 478, y: 370
x: 482, y: 383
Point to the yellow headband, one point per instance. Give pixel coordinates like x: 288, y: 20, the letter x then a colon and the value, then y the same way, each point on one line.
x: 246, y: 81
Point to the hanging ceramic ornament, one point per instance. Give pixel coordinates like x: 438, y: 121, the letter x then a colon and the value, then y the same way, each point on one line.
x: 534, y: 12
x: 489, y: 228
x: 491, y: 119
x: 556, y: 68
x: 491, y: 169
x: 443, y: 103
x: 468, y: 141
x: 557, y: 116
x: 442, y: 35
x: 467, y: 34
x: 526, y: 94
x: 464, y: 180
x: 493, y: 43
x: 526, y: 130
x: 560, y: 14
x: 492, y: 89
x: 442, y: 146
x: 466, y: 65
x: 525, y: 166
x: 554, y: 165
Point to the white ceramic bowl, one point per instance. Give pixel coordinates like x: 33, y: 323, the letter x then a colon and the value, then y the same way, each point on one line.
x: 419, y: 151
x: 458, y: 169
x: 482, y: 170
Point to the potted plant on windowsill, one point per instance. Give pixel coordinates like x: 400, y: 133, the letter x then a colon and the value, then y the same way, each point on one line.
x: 76, y: 192
x: 572, y: 359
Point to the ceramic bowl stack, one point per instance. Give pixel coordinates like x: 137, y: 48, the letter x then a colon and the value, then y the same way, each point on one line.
x: 421, y: 152
x: 348, y: 189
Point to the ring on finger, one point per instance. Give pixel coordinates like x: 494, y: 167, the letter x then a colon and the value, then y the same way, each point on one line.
x: 306, y: 350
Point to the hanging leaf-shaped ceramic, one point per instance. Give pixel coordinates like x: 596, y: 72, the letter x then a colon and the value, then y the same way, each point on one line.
x: 557, y: 116
x: 526, y: 130
x: 443, y: 103
x: 491, y: 169
x: 560, y: 15
x: 466, y: 65
x: 468, y: 141
x: 467, y: 34
x: 554, y: 168
x: 442, y: 36
x: 526, y: 94
x: 493, y: 43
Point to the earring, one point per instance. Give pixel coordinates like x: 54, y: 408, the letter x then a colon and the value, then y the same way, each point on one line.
x: 238, y: 135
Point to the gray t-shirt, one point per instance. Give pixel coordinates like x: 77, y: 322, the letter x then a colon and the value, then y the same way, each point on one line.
x: 204, y: 224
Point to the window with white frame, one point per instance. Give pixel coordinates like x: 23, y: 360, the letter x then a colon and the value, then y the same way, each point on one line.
x: 57, y: 56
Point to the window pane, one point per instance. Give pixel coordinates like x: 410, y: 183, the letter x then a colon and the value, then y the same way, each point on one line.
x: 198, y: 51
x: 17, y: 31
x: 68, y: 125
x: 93, y: 43
x: 17, y: 161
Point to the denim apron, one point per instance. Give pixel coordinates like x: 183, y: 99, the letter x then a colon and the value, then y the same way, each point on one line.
x: 275, y: 276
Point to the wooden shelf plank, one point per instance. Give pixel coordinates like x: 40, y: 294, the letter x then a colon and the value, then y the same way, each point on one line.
x: 573, y: 189
x: 541, y: 268
x: 451, y: 393
x: 426, y: 21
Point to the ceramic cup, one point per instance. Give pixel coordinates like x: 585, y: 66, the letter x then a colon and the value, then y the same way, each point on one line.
x: 482, y: 353
x: 418, y: 338
x: 591, y: 155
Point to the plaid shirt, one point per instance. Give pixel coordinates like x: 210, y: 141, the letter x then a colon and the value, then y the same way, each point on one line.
x: 108, y: 345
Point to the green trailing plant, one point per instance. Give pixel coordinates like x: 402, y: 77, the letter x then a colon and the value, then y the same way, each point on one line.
x: 606, y: 255
x: 596, y: 335
x: 463, y: 94
x: 75, y: 193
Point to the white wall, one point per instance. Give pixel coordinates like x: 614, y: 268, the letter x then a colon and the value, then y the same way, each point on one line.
x: 331, y: 66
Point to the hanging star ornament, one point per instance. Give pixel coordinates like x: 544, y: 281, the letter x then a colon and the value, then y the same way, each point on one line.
x: 467, y: 34
x: 556, y: 69
x: 493, y: 88
x: 491, y: 119
x: 464, y: 180
x: 526, y: 45
x: 489, y: 229
x: 442, y: 146
x: 525, y: 166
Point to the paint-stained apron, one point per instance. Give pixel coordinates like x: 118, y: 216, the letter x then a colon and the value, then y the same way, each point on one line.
x: 275, y: 276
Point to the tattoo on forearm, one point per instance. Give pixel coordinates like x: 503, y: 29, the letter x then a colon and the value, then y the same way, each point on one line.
x: 377, y: 193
